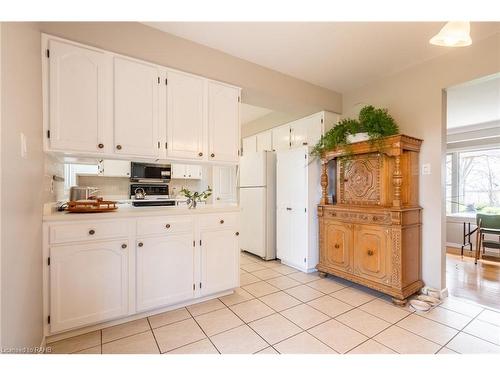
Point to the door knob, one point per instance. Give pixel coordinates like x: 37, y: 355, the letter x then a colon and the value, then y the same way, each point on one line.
x: 337, y: 245
x: 370, y: 252
x: 118, y: 147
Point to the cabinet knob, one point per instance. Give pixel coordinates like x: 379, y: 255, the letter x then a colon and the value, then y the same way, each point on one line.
x: 100, y: 145
x: 140, y: 244
x: 237, y: 233
x: 222, y: 221
x: 118, y: 147
x: 200, y: 153
x: 337, y: 246
x: 167, y: 226
x: 288, y: 208
x: 91, y: 232
x: 370, y: 252
x: 212, y: 155
x: 124, y: 245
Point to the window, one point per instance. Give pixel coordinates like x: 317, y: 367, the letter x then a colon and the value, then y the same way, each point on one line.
x: 71, y: 171
x: 473, y: 181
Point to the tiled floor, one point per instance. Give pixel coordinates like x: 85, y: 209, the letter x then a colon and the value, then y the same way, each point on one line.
x: 280, y: 310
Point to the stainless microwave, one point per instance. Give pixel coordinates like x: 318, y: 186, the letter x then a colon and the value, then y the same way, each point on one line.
x: 148, y: 172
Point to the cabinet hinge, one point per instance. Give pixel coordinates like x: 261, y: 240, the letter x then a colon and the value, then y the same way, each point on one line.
x: 238, y: 152
x: 304, y: 260
x: 166, y: 145
x: 194, y: 243
x: 200, y: 285
x: 200, y: 242
x: 305, y: 156
x: 48, y: 319
x: 47, y: 52
x: 166, y: 81
x: 321, y: 120
x: 239, y: 99
x: 48, y: 133
x: 158, y: 144
x: 305, y: 209
x: 158, y: 80
x: 48, y: 261
x: 194, y: 286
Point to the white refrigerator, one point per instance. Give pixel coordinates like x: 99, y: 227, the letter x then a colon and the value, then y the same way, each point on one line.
x: 258, y: 203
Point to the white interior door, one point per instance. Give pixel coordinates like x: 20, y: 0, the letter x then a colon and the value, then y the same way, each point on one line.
x: 281, y: 138
x: 186, y: 116
x: 249, y: 144
x: 253, y: 220
x: 136, y: 108
x: 223, y: 122
x: 298, y: 242
x: 265, y: 141
x: 80, y: 85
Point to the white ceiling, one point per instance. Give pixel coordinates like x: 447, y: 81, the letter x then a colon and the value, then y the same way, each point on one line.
x: 474, y: 103
x: 251, y: 113
x: 340, y: 56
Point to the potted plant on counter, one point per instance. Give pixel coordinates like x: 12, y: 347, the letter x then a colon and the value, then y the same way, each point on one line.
x: 372, y: 124
x: 194, y: 197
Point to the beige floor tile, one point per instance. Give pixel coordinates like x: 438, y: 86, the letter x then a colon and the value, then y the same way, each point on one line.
x: 218, y: 321
x: 445, y: 350
x: 352, y: 296
x: 461, y: 307
x: 267, y: 273
x: 274, y: 328
x: 371, y: 347
x: 94, y: 350
x: 429, y: 329
x: 337, y: 336
x: 326, y: 285
x: 484, y: 330
x: 303, y: 343
x: 330, y: 306
x: 246, y: 260
x: 248, y: 278
x: 260, y: 289
x: 240, y: 340
x: 285, y: 270
x: 446, y: 317
x: 205, y: 307
x: 252, y: 310
x: 305, y: 316
x: 467, y: 344
x: 239, y: 295
x: 384, y: 310
x: 304, y: 293
x: 178, y: 334
x: 490, y: 316
x: 272, y: 263
x: 283, y: 282
x: 363, y: 322
x: 405, y: 342
x: 168, y: 317
x: 142, y: 343
x: 126, y: 329
x: 280, y: 301
x: 268, y: 350
x: 303, y: 277
x: 252, y: 267
x: 75, y: 344
x: 199, y: 347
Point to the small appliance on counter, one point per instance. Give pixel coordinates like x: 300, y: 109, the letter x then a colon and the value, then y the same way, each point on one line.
x: 150, y: 195
x: 77, y: 193
x: 150, y: 173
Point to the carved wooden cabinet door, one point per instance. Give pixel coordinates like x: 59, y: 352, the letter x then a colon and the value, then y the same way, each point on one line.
x: 359, y: 179
x: 372, y: 253
x: 338, y: 242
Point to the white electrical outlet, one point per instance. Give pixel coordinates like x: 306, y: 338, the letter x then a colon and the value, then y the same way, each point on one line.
x: 24, y: 147
x: 426, y: 168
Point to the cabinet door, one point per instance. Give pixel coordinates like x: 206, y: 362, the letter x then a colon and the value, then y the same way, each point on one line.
x: 115, y: 168
x: 265, y: 141
x: 371, y: 253
x: 250, y: 144
x: 88, y: 283
x: 223, y: 122
x: 79, y: 88
x: 165, y: 271
x: 136, y: 108
x: 193, y: 172
x: 338, y: 245
x: 283, y: 235
x: 281, y: 138
x: 306, y: 131
x: 186, y: 116
x: 299, y: 239
x: 224, y: 184
x: 178, y: 170
x: 220, y: 256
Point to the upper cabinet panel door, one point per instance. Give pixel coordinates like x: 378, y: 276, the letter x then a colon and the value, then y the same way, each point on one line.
x: 249, y: 144
x: 79, y: 85
x: 136, y: 108
x: 224, y: 184
x: 281, y: 138
x: 265, y: 141
x: 186, y: 116
x: 306, y: 131
x: 223, y: 122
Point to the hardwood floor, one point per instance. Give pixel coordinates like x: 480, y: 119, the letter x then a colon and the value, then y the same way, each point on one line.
x: 479, y: 283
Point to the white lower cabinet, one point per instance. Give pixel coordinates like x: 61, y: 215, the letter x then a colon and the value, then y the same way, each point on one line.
x: 165, y: 270
x: 88, y: 283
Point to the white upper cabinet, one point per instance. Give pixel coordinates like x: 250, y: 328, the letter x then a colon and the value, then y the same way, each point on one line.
x: 114, y: 168
x: 249, y: 144
x: 136, y: 87
x: 265, y: 141
x: 186, y: 116
x: 281, y: 138
x: 224, y: 184
x: 306, y: 131
x: 223, y: 122
x: 184, y: 171
x: 79, y: 86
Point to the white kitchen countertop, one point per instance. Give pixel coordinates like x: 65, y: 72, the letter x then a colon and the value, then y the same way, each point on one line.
x: 129, y: 211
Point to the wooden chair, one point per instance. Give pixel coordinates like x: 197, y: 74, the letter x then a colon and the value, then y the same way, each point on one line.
x: 487, y: 224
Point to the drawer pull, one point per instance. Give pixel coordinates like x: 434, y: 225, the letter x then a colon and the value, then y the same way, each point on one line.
x: 100, y: 145
x: 370, y: 252
x: 118, y: 147
x: 167, y: 226
x: 222, y: 221
x: 92, y: 232
x: 140, y: 244
x: 124, y: 245
x: 337, y: 245
x: 200, y: 153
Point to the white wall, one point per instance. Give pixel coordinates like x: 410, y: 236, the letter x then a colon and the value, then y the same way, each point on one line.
x: 415, y: 98
x: 21, y: 192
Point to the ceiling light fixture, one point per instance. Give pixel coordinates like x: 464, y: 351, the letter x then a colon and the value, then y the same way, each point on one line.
x: 453, y: 34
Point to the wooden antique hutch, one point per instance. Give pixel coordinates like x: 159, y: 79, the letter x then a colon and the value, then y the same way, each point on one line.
x: 370, y: 231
